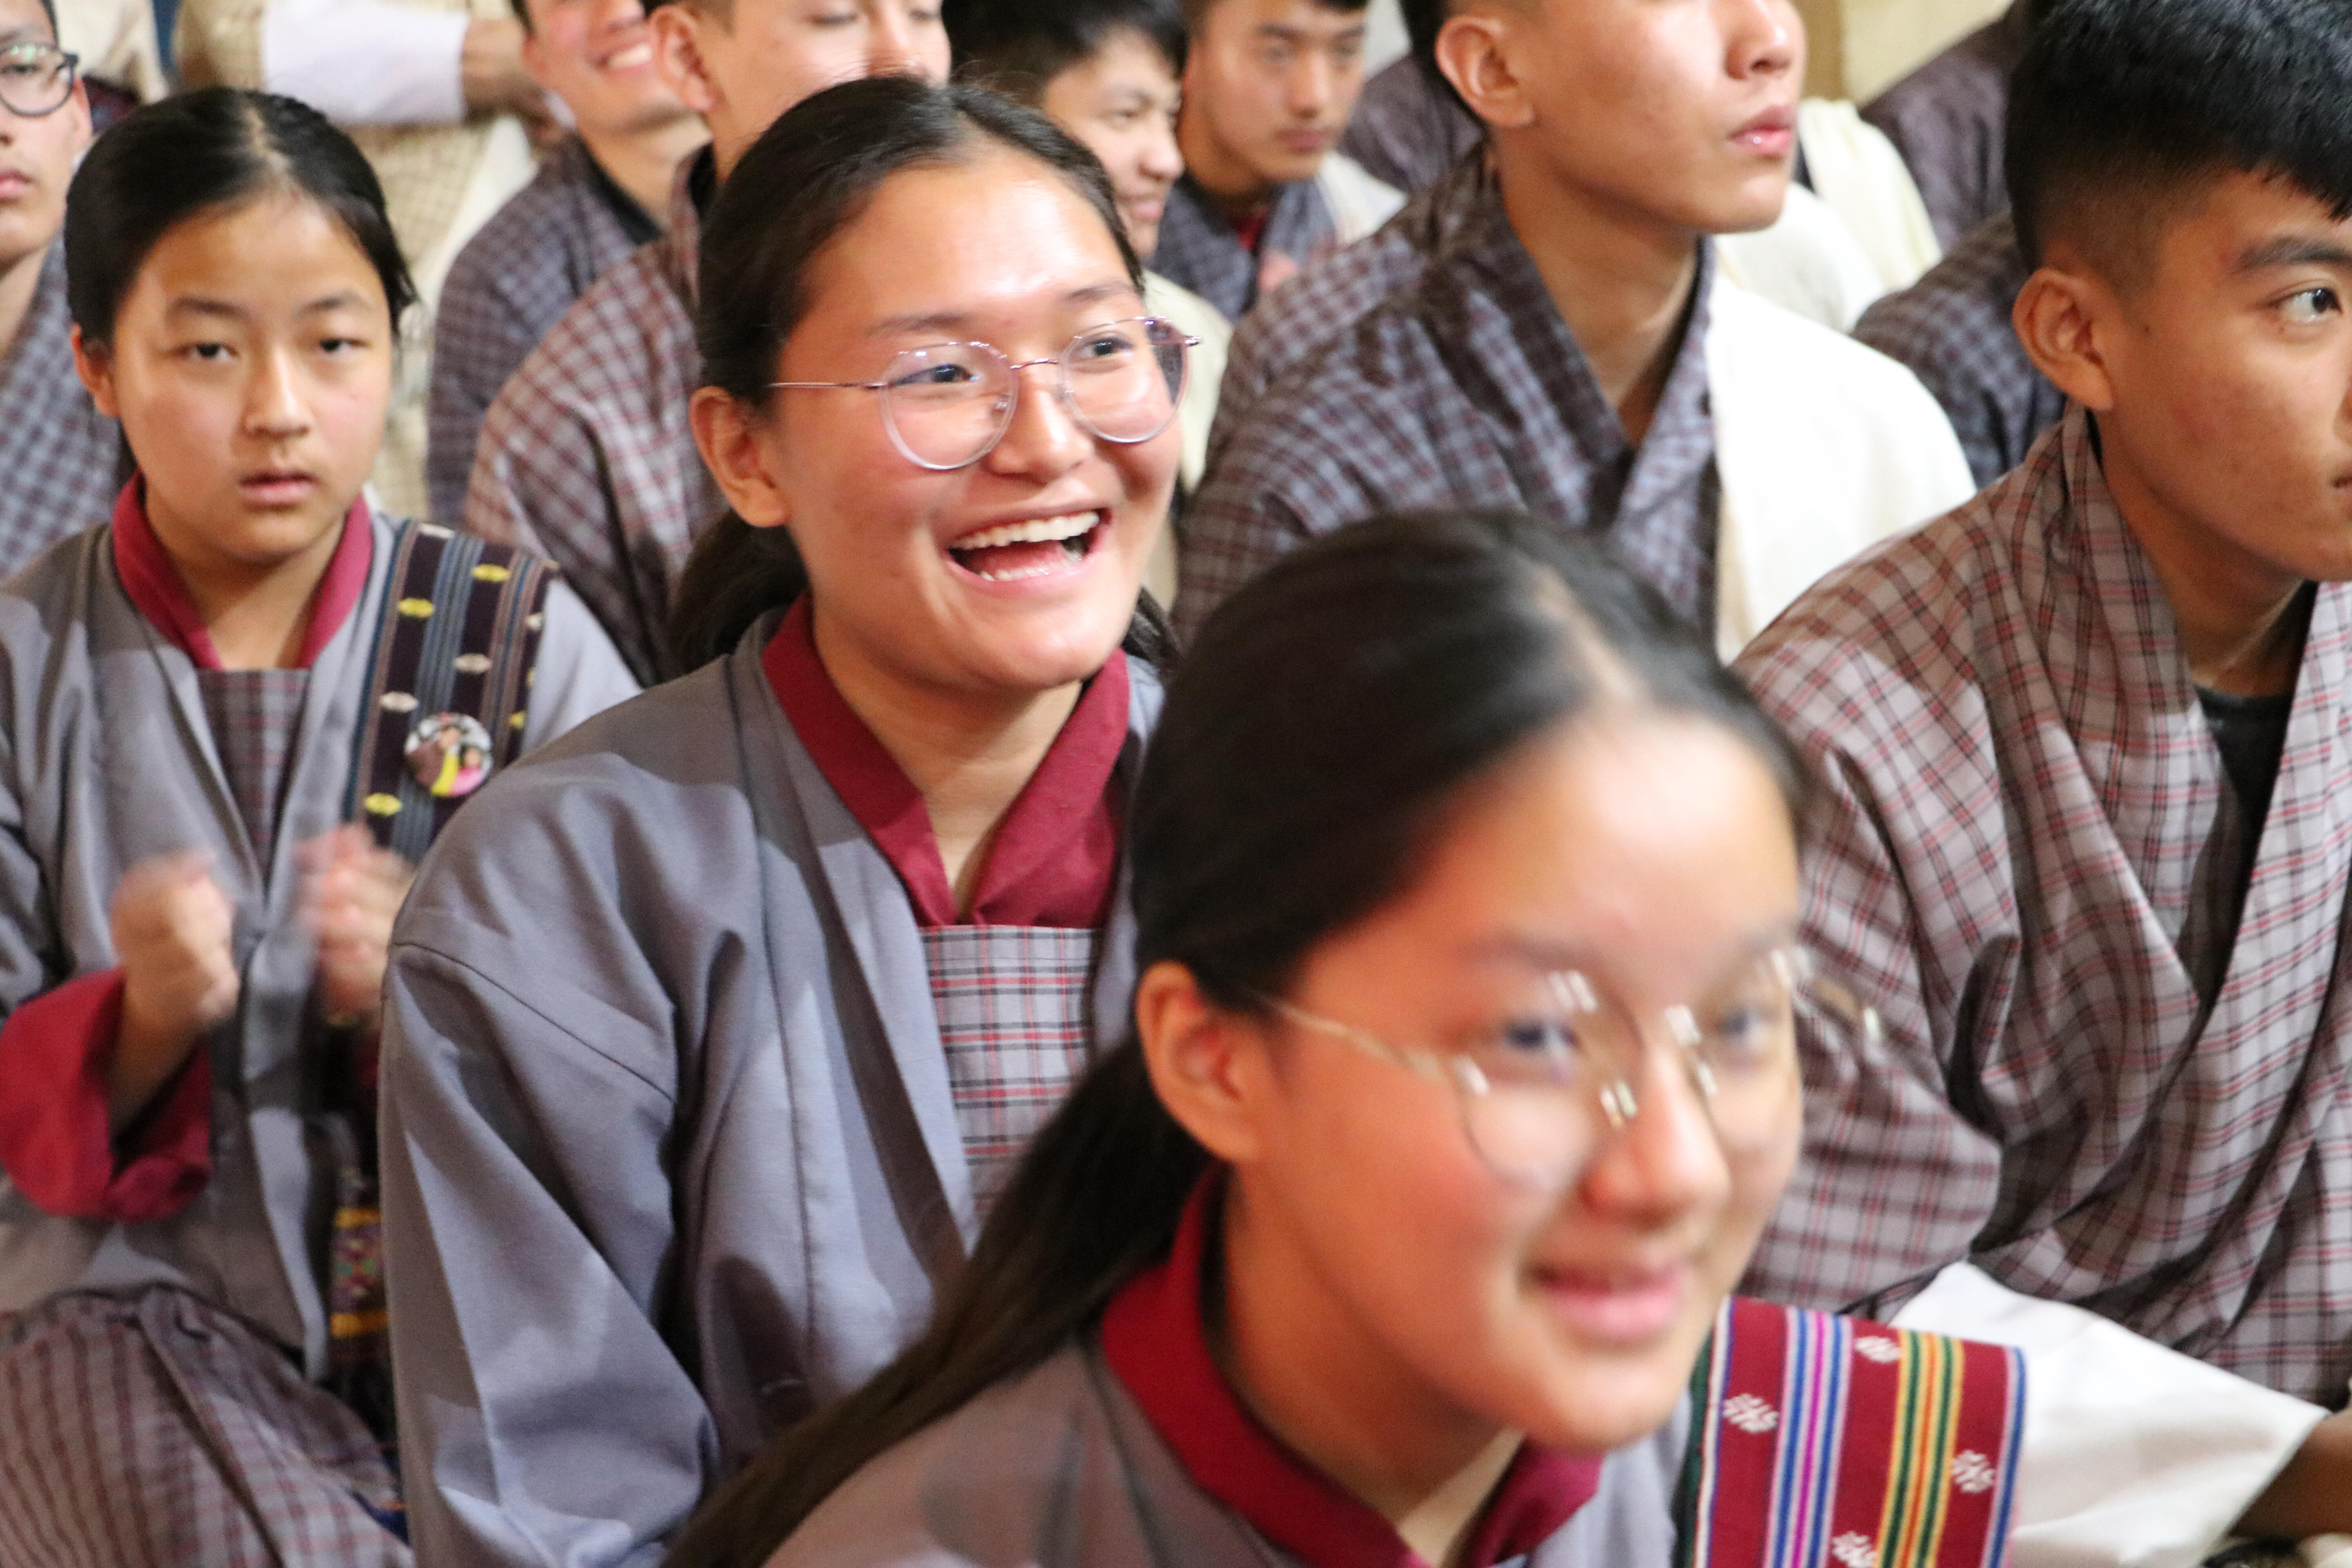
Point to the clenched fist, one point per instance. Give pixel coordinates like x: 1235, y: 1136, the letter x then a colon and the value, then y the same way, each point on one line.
x: 171, y: 927
x: 350, y: 891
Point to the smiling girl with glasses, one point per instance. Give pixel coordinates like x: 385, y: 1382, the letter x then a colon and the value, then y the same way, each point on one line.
x: 1461, y: 1084
x: 739, y: 1016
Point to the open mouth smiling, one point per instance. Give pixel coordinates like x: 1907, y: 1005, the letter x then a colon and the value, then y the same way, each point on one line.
x: 1034, y: 547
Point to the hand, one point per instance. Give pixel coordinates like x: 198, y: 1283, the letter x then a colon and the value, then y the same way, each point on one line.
x: 2312, y: 1495
x: 171, y: 927
x: 491, y: 74
x: 350, y: 892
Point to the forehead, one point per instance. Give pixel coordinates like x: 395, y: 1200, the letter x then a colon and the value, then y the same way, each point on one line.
x: 2233, y: 221
x: 1124, y: 57
x: 1311, y: 17
x: 24, y: 20
x: 279, y: 252
x: 998, y: 236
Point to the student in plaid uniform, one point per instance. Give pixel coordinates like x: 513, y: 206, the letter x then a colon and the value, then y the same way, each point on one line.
x: 712, y: 1038
x: 1568, y: 348
x: 585, y: 211
x: 585, y: 456
x: 1393, y: 1231
x: 2083, y: 835
x: 1267, y: 87
x: 192, y: 936
x: 61, y: 458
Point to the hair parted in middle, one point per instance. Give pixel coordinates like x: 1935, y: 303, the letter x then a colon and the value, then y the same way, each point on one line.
x: 805, y: 180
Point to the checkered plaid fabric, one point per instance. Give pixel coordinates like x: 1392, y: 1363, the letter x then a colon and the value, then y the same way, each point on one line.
x: 1199, y: 249
x: 507, y: 289
x: 1467, y: 390
x: 254, y: 714
x: 2091, y: 1085
x: 1948, y: 120
x: 1292, y: 326
x: 586, y: 456
x: 63, y: 459
x: 1951, y: 329
x: 1404, y: 131
x: 1011, y: 1004
x: 159, y: 1432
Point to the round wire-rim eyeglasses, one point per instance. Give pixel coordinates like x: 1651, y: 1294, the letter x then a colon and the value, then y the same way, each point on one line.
x: 1606, y: 1082
x: 947, y: 406
x: 36, y: 79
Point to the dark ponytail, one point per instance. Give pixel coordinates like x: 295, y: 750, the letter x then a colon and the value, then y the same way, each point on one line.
x: 198, y: 151
x: 1332, y: 711
x: 805, y: 180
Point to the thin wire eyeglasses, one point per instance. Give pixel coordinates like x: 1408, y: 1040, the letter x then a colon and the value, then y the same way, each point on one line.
x: 1540, y: 1094
x: 36, y: 79
x: 946, y: 406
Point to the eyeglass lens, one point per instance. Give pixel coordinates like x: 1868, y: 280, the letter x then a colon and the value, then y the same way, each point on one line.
x: 35, y: 79
x: 950, y: 404
x: 1541, y: 1092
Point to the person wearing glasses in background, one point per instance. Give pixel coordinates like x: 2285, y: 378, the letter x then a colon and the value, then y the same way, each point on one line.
x: 714, y: 1038
x: 1110, y: 73
x: 587, y: 209
x: 1462, y: 1076
x: 62, y: 459
x: 586, y: 455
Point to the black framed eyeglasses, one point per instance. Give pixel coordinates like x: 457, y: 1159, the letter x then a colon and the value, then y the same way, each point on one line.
x: 946, y: 406
x: 36, y: 79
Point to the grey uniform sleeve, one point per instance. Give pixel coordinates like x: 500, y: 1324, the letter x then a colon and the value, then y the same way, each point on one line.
x: 580, y: 673
x: 529, y: 1233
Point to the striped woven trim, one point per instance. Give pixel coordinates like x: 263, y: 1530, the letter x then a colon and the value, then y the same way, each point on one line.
x: 1827, y: 1442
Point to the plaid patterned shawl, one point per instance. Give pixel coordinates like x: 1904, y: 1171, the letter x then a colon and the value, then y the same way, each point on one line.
x: 585, y: 456
x: 63, y: 459
x: 2099, y: 1082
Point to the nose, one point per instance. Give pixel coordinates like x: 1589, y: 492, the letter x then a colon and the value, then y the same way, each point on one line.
x: 275, y: 408
x: 895, y: 43
x: 1163, y: 161
x: 1044, y: 441
x: 1665, y: 1162
x: 1311, y: 84
x: 1763, y: 38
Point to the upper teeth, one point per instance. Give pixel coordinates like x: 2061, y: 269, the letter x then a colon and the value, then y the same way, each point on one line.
x: 1037, y: 531
x: 631, y: 57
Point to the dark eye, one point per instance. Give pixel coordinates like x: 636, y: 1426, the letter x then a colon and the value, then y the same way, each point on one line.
x: 1535, y: 1038
x: 2309, y: 305
x: 946, y: 373
x: 1103, y: 346
x: 206, y: 353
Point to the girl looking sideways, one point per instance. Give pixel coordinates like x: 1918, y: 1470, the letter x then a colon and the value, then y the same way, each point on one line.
x: 208, y: 807
x: 713, y: 1033
x: 1463, y: 1080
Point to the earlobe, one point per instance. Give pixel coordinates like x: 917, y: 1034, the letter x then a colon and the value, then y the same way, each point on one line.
x: 95, y: 365
x: 1199, y: 1057
x: 2057, y: 318
x: 735, y: 446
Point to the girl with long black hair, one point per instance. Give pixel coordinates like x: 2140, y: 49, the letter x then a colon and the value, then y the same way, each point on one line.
x: 1462, y: 1082
x: 714, y: 1036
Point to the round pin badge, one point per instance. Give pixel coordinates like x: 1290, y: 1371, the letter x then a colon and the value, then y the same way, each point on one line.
x: 449, y: 754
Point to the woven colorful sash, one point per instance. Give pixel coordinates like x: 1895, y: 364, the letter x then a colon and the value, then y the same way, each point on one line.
x: 458, y: 638
x: 1827, y: 1442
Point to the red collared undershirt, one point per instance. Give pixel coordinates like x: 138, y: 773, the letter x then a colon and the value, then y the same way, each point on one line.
x: 56, y: 1143
x: 1154, y: 1340
x: 1054, y: 859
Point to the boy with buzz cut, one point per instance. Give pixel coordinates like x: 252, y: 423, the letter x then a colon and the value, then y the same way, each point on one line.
x: 2081, y: 835
x: 1268, y: 87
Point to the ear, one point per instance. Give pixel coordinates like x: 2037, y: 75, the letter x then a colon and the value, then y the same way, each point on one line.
x: 678, y: 56
x: 1474, y: 51
x: 1207, y: 1066
x: 95, y: 365
x: 739, y: 449
x: 2061, y: 315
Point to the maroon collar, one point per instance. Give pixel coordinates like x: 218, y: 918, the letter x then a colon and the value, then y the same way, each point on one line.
x: 1055, y: 861
x: 157, y: 591
x: 1154, y: 1340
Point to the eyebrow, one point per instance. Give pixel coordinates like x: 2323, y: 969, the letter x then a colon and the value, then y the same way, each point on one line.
x: 1548, y: 956
x: 958, y: 320
x: 2295, y: 250
x: 199, y: 305
x: 1293, y: 33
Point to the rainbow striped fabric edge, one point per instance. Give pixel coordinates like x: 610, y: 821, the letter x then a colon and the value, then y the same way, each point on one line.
x: 1827, y: 1442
